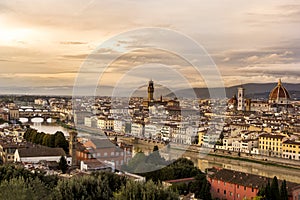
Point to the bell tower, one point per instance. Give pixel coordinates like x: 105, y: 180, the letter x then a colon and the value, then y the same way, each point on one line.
x: 150, y: 90
x: 72, y: 146
x: 241, y: 99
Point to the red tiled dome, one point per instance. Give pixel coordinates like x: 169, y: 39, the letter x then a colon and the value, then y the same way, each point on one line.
x: 279, y: 92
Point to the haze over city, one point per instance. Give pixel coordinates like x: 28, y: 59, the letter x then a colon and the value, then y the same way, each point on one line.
x: 44, y: 44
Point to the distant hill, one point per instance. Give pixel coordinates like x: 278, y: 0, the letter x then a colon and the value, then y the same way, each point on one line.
x: 252, y: 90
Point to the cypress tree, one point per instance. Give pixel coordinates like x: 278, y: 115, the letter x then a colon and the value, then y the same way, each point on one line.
x: 268, y: 191
x: 283, y: 191
x: 275, y: 189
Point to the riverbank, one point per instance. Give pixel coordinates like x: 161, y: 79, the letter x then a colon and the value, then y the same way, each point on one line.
x: 280, y: 162
x: 197, y: 151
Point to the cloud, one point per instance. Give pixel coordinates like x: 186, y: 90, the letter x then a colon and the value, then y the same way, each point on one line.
x: 286, y: 13
x: 72, y: 43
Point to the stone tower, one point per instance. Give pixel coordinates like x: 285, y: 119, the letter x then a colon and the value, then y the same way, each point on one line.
x: 150, y: 91
x: 72, y: 146
x: 241, y: 99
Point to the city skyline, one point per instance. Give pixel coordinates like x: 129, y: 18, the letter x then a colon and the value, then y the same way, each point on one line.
x: 44, y: 44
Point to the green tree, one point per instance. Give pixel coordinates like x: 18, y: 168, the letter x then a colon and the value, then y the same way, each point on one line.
x: 144, y: 191
x: 19, y: 189
x: 46, y: 140
x: 275, y: 195
x: 283, y: 191
x: 95, y: 186
x: 51, y: 140
x: 60, y: 141
x: 268, y: 192
x: 63, y: 165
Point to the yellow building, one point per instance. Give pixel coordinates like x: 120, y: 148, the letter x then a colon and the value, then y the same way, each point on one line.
x: 291, y: 150
x: 270, y: 144
x: 200, y: 137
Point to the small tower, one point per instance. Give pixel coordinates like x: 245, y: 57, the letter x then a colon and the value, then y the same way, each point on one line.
x: 241, y: 100
x: 150, y: 90
x: 72, y: 146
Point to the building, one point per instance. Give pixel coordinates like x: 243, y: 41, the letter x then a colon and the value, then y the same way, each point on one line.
x: 150, y: 91
x: 150, y: 131
x: 234, y: 185
x: 119, y: 126
x: 279, y: 98
x: 278, y: 101
x: 73, y: 147
x: 79, y: 117
x: 241, y: 99
x: 104, y: 150
x: 150, y: 100
x: 7, y: 152
x: 105, y: 123
x: 38, y: 153
x: 291, y: 150
x: 137, y: 129
x: 270, y: 144
x: 96, y: 165
x: 14, y: 114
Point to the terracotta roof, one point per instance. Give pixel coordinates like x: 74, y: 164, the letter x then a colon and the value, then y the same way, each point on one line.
x: 245, y: 179
x: 99, y: 143
x: 271, y: 136
x: 291, y: 142
x: 41, y: 151
x: 94, y: 164
x: 180, y: 180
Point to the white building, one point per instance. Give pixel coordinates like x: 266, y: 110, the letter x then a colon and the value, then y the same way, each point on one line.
x: 36, y: 154
x: 137, y: 130
x: 119, y: 126
x: 150, y: 130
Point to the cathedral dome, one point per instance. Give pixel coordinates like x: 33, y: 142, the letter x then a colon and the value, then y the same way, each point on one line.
x: 279, y: 93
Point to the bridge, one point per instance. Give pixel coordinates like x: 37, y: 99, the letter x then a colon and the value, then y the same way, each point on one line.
x: 31, y: 112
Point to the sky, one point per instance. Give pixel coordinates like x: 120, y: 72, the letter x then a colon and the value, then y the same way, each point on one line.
x: 47, y: 47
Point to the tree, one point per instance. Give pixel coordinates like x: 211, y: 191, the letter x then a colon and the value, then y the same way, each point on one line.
x: 20, y: 189
x: 268, y: 194
x: 63, y: 165
x: 275, y: 189
x: 95, y: 186
x: 283, y: 191
x: 60, y: 141
x: 144, y: 191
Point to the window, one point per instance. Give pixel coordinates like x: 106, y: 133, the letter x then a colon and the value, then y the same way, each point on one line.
x: 218, y: 190
x: 252, y: 189
x: 112, y: 153
x: 224, y: 192
x: 105, y: 153
x: 245, y: 187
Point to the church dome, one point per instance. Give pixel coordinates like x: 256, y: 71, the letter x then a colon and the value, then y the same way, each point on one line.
x: 279, y: 92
